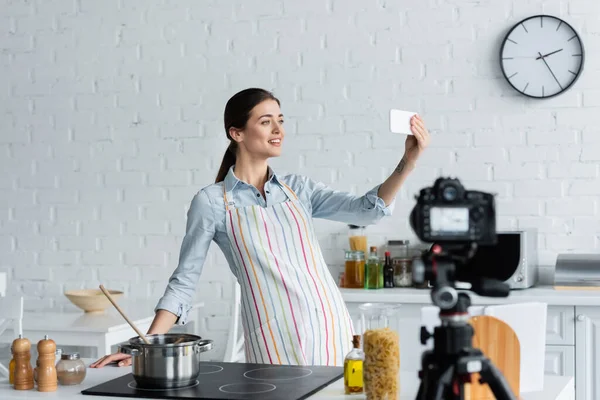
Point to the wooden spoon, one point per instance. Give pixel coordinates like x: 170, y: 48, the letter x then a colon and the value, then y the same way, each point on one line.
x: 135, y: 328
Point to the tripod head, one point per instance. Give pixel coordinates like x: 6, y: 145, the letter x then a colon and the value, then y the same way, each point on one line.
x: 443, y: 267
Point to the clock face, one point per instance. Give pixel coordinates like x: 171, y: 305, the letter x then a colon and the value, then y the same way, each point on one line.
x: 542, y: 56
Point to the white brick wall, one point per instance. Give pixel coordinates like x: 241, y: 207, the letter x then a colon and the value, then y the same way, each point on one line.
x: 112, y: 120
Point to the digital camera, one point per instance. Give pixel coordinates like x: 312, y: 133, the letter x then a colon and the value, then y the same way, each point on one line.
x: 447, y: 213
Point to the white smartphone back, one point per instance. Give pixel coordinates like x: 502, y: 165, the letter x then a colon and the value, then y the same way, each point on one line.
x: 400, y: 121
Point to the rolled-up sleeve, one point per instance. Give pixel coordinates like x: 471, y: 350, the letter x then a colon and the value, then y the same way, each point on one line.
x: 345, y: 207
x: 200, y: 231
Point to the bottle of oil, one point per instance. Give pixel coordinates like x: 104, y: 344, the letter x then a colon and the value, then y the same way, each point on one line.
x: 373, y: 270
x: 353, y: 368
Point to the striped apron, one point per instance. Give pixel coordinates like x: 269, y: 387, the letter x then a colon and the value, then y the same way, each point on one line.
x: 292, y: 310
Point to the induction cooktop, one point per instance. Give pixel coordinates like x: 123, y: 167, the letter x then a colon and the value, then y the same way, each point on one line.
x: 233, y: 381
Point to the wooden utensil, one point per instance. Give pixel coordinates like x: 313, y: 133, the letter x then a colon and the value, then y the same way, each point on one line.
x: 135, y: 328
x: 498, y: 342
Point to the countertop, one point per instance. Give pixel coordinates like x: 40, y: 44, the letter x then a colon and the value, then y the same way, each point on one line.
x: 2, y: 284
x: 546, y: 294
x: 557, y: 388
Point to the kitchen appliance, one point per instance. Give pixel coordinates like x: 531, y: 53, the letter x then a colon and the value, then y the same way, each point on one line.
x: 580, y: 271
x: 513, y: 259
x: 169, y: 360
x: 233, y: 381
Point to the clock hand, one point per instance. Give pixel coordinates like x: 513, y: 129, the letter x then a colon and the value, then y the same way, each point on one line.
x: 544, y: 60
x: 546, y: 55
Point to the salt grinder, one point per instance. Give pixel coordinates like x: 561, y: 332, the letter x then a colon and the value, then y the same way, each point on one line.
x: 46, y: 371
x: 23, y: 371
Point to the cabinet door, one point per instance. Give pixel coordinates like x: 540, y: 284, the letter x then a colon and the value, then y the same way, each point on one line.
x: 560, y: 325
x: 587, y: 353
x: 560, y: 360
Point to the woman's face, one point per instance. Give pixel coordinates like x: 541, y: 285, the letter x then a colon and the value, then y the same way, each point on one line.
x: 263, y: 135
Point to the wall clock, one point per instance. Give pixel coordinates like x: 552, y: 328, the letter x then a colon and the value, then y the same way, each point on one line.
x: 542, y: 56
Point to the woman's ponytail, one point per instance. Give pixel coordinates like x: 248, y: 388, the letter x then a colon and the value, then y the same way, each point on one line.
x: 227, y: 163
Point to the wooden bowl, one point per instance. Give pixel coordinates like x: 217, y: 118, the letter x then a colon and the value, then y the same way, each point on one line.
x: 92, y: 300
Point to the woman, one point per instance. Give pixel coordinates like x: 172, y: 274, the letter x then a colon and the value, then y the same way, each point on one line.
x: 292, y: 310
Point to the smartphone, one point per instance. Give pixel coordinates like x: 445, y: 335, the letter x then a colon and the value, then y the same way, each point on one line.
x: 400, y: 121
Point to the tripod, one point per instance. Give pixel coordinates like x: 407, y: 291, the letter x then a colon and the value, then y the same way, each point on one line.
x: 446, y: 368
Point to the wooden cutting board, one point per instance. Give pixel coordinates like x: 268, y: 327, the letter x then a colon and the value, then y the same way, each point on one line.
x: 500, y: 344
x: 576, y: 287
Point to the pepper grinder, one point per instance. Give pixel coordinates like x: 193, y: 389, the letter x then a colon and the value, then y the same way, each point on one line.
x: 11, y: 367
x: 46, y: 371
x: 23, y: 371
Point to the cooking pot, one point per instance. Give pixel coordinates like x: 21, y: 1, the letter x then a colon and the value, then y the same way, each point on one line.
x: 171, y: 360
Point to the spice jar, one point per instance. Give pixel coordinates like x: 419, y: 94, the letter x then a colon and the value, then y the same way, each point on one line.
x: 402, y: 271
x: 354, y: 274
x: 70, y: 369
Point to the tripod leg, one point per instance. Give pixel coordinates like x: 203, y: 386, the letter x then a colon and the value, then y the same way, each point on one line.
x: 494, y: 378
x: 436, y: 386
x: 420, y: 392
x: 444, y: 386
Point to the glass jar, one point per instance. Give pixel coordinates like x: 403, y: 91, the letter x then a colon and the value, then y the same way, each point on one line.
x: 354, y: 273
x: 381, y: 347
x: 402, y: 271
x: 357, y: 238
x: 398, y: 248
x: 70, y: 370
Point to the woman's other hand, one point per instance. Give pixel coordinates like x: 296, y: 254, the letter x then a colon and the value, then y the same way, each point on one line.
x: 122, y: 360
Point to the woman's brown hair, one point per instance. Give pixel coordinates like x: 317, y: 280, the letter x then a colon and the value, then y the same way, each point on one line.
x: 237, y: 113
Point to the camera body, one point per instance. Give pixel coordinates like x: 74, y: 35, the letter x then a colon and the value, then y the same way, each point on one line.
x: 448, y: 213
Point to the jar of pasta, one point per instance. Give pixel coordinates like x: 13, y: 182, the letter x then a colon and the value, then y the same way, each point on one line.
x: 381, y: 346
x: 357, y: 238
x: 354, y: 272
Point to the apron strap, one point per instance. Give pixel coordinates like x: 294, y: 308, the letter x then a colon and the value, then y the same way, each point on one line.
x: 288, y: 191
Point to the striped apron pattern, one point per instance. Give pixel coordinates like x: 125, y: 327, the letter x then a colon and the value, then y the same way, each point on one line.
x: 292, y: 310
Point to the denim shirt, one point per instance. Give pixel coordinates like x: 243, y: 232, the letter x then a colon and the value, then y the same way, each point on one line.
x: 206, y: 223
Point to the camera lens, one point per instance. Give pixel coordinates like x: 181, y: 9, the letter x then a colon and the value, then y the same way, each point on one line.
x: 449, y: 193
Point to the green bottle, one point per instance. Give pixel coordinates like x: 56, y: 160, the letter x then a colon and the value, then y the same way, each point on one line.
x: 372, y: 270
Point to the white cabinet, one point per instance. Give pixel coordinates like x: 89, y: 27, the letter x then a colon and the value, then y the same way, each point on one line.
x: 587, y: 353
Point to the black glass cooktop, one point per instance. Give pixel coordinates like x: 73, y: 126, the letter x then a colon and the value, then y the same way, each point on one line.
x: 233, y: 381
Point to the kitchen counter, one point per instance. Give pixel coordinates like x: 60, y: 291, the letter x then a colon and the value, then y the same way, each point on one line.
x: 101, y: 331
x: 546, y: 294
x: 2, y: 284
x: 557, y: 388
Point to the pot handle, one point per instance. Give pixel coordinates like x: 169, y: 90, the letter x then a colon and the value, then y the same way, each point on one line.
x: 127, y: 349
x: 203, y: 345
